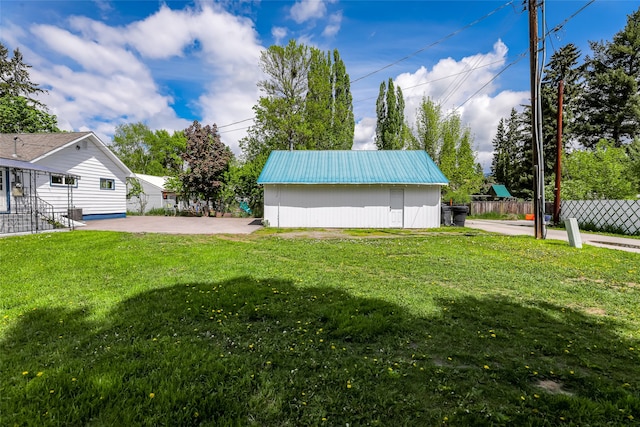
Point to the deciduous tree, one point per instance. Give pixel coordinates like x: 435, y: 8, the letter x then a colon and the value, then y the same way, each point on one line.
x: 598, y: 174
x: 207, y: 161
x: 144, y: 151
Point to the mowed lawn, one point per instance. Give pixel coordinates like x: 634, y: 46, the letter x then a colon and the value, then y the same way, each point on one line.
x: 443, y: 328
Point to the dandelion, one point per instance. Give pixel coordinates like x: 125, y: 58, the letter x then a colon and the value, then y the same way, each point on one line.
x: 486, y: 366
x: 521, y: 397
x: 39, y: 374
x: 537, y: 396
x: 51, y: 391
x: 152, y: 395
x: 25, y: 372
x: 348, y: 384
x: 73, y: 379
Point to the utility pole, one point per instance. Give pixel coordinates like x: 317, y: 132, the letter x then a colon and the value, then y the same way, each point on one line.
x: 556, y: 200
x: 536, y: 137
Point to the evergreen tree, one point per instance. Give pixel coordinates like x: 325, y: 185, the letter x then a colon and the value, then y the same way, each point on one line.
x: 563, y: 65
x: 501, y: 161
x: 390, y: 123
x: 19, y: 110
x: 519, y: 134
x: 612, y: 99
x: 14, y: 76
x: 17, y: 115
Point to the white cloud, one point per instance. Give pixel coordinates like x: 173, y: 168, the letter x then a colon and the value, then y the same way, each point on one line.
x: 305, y: 10
x: 335, y: 20
x: 108, y: 73
x: 455, y: 82
x: 364, y: 134
x: 278, y: 34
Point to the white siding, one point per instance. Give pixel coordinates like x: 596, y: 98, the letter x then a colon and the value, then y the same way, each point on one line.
x: 153, y: 195
x: 348, y: 206
x: 91, y: 164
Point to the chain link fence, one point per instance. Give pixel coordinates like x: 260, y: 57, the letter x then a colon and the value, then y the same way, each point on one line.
x: 614, y: 216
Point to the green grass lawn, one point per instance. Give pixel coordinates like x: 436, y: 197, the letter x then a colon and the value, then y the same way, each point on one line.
x: 449, y: 328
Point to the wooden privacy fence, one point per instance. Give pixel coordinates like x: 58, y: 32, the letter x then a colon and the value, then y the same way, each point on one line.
x: 501, y: 207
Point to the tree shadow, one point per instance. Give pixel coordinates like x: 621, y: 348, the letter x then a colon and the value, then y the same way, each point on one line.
x: 266, y: 352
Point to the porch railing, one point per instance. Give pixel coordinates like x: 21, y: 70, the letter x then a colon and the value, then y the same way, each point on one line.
x: 31, y: 214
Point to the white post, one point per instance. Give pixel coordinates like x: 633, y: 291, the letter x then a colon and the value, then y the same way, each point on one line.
x: 573, y: 232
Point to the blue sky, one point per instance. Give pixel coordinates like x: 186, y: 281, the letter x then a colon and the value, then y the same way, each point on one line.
x: 167, y: 63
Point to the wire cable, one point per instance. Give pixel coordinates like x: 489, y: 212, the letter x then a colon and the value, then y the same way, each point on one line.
x: 448, y: 36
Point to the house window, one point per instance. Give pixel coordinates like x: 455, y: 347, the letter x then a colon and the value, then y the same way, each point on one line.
x: 63, y: 180
x: 107, y: 184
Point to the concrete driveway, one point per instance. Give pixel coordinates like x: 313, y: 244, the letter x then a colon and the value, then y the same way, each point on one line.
x: 514, y: 228
x: 176, y: 225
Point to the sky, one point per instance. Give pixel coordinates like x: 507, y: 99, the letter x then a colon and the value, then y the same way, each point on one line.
x: 167, y: 63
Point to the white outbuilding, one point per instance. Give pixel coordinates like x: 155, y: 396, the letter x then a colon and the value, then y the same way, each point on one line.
x: 352, y: 189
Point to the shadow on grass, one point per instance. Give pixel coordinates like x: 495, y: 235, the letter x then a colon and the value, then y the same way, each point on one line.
x: 266, y: 352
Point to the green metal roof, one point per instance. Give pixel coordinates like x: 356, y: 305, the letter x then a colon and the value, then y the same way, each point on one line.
x: 501, y: 191
x: 351, y: 167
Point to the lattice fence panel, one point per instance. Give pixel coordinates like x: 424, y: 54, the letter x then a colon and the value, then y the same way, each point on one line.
x: 604, y: 215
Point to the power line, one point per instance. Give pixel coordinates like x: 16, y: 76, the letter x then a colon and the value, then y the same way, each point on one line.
x: 434, y: 80
x: 548, y: 33
x: 234, y: 130
x: 448, y: 36
x: 235, y: 123
x: 563, y: 23
x: 518, y: 59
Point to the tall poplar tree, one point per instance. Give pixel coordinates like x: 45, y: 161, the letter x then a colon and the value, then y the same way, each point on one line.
x: 306, y: 102
x: 329, y: 104
x: 390, y: 122
x: 343, y: 121
x: 429, y: 128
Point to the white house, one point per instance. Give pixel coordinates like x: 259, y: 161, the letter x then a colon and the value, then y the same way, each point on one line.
x: 92, y: 180
x: 352, y: 189
x: 154, y: 194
